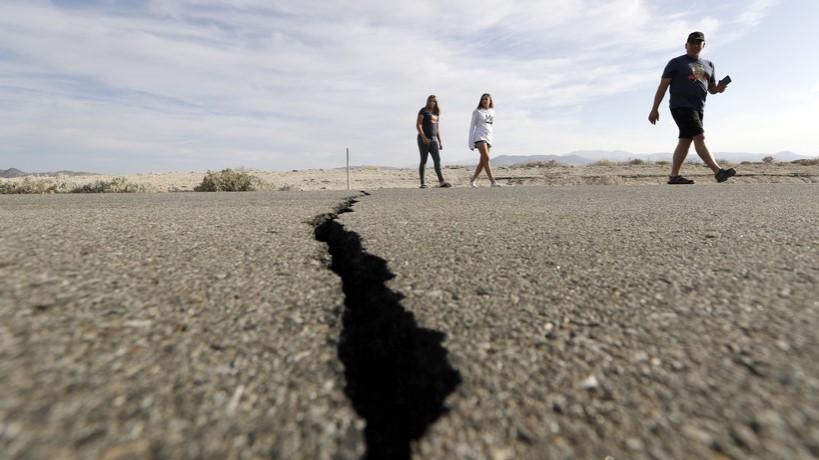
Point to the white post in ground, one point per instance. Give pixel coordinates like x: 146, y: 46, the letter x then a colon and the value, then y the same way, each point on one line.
x: 348, y: 168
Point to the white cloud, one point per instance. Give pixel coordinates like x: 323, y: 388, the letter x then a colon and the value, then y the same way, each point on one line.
x: 756, y: 11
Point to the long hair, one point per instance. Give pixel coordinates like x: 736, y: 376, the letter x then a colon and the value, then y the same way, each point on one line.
x: 437, y: 110
x: 491, y: 103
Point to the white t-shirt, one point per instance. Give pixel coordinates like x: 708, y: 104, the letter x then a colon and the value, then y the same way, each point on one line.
x: 481, y: 127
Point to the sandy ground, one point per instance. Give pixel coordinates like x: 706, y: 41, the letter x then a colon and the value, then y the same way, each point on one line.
x: 375, y: 177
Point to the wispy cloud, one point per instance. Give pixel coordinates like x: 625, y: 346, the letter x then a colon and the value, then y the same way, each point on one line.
x: 756, y: 11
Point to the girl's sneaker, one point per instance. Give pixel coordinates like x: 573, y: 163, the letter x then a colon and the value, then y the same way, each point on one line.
x: 679, y: 180
x: 723, y: 174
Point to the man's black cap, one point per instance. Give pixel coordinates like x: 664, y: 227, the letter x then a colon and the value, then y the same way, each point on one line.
x: 696, y: 36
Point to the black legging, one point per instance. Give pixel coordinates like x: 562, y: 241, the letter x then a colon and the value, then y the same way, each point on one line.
x: 426, y: 150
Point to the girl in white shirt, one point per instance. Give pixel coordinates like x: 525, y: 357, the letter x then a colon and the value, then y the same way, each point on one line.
x: 480, y: 137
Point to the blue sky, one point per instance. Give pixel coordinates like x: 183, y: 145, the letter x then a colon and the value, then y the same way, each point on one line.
x: 181, y: 85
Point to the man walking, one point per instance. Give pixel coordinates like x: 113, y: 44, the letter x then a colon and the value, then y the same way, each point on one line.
x: 690, y: 79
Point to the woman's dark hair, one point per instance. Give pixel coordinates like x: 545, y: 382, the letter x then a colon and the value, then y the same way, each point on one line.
x: 437, y: 109
x: 491, y: 103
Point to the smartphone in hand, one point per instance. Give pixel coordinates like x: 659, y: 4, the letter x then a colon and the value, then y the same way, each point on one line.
x: 725, y: 81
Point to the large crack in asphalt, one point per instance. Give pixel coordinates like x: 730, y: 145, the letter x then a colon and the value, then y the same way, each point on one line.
x: 397, y: 373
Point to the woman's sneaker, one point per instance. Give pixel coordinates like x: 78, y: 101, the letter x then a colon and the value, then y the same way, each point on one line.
x: 473, y: 183
x: 679, y: 180
x: 496, y: 184
x: 723, y: 174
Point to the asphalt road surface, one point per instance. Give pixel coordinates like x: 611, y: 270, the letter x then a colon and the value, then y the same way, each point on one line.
x: 520, y: 322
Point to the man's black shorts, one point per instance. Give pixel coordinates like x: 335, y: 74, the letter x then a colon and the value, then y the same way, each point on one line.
x: 689, y: 121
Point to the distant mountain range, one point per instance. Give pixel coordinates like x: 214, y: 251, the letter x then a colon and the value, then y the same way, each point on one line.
x: 586, y: 157
x: 14, y: 172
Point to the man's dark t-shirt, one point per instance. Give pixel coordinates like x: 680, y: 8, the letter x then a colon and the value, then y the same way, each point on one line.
x: 690, y: 79
x: 430, y: 124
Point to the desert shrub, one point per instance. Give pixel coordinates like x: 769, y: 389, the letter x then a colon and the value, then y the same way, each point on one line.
x: 662, y: 162
x: 636, y: 162
x: 768, y: 160
x: 602, y: 163
x: 115, y: 185
x: 228, y: 180
x: 807, y: 162
x: 37, y: 185
x: 61, y: 184
x: 540, y: 164
x: 29, y: 185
